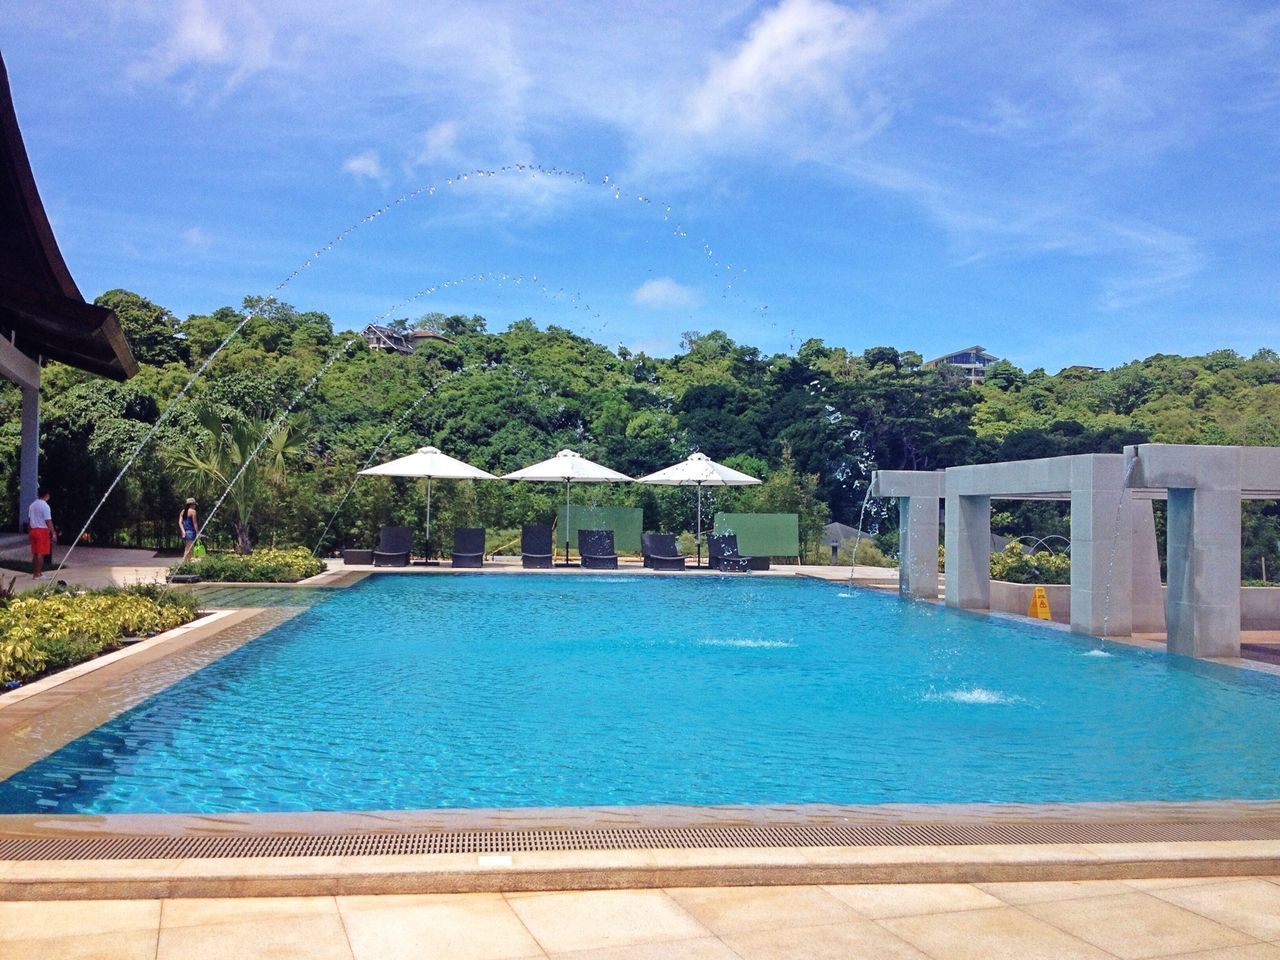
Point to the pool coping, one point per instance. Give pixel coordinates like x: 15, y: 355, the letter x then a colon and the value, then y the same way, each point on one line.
x: 69, y: 875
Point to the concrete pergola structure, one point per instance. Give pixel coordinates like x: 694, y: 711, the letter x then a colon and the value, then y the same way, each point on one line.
x: 1115, y: 574
x: 1205, y: 485
x: 42, y: 313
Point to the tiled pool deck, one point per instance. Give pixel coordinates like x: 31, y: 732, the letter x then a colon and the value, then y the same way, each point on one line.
x: 1209, y: 899
x: 1195, y: 919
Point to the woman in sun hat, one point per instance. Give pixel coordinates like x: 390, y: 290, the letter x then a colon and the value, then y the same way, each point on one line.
x: 189, y: 527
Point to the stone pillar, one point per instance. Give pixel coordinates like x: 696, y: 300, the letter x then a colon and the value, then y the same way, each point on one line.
x: 29, y: 464
x: 918, y: 547
x: 968, y: 548
x: 1204, y: 564
x: 1101, y: 548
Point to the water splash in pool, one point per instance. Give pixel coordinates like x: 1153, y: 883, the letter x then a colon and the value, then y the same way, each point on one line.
x: 978, y: 695
x: 747, y: 644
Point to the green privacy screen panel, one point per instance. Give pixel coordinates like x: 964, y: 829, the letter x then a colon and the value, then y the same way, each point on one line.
x: 625, y: 522
x: 763, y: 534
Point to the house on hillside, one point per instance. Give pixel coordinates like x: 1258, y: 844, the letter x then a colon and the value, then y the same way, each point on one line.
x: 972, y: 360
x: 393, y: 341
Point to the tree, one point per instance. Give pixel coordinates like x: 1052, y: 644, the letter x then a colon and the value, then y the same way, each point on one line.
x: 233, y: 459
x: 152, y: 331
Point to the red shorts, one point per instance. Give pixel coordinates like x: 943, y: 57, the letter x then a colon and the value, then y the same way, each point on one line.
x: 41, y: 543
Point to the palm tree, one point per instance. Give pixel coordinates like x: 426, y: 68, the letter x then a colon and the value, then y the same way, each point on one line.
x: 234, y: 459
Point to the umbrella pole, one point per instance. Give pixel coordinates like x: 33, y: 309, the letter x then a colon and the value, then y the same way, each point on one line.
x: 698, y: 538
x: 566, y: 522
x: 429, y: 479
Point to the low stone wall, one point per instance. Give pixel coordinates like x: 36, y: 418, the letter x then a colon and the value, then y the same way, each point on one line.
x: 1016, y: 598
x: 1260, y: 608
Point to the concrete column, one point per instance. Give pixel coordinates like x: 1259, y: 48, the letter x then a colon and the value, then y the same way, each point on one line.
x: 29, y: 463
x: 968, y: 547
x: 1148, y: 591
x: 1204, y: 565
x: 1101, y: 548
x: 918, y: 547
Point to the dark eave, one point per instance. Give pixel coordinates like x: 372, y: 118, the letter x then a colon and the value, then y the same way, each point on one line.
x: 41, y: 309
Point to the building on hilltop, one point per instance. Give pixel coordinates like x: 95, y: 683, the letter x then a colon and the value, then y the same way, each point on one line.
x: 384, y: 338
x: 393, y: 341
x: 972, y: 360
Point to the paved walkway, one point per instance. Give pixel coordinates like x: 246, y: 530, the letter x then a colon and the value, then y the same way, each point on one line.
x: 1196, y: 919
x: 93, y: 567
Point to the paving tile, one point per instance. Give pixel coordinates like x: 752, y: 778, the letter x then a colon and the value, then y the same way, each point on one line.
x: 1251, y: 906
x: 260, y: 935
x: 591, y: 919
x: 704, y: 948
x: 202, y: 911
x: 45, y: 919
x: 1004, y: 933
x: 1162, y: 883
x: 904, y: 899
x: 856, y: 940
x: 117, y: 945
x: 1045, y: 890
x: 735, y: 909
x: 1134, y: 925
x: 1250, y: 951
x: 465, y: 926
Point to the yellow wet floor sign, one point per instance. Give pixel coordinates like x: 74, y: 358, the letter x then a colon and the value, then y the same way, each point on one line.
x: 1039, y: 607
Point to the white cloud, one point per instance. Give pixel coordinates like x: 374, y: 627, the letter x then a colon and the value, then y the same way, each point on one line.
x: 664, y: 293
x: 795, y: 60
x: 440, y: 143
x: 232, y: 35
x: 365, y: 166
x: 197, y: 239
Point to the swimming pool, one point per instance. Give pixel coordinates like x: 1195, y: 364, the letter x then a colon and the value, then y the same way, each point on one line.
x: 425, y: 692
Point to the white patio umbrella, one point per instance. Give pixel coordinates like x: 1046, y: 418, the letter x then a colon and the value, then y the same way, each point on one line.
x: 699, y: 471
x: 430, y: 463
x: 568, y: 467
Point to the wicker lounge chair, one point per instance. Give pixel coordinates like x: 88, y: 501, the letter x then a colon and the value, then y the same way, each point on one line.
x: 394, y: 546
x: 596, y: 549
x: 660, y: 552
x: 468, y: 547
x: 535, y: 546
x: 723, y: 548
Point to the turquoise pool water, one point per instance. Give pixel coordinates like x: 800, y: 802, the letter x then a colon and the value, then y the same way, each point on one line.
x: 507, y: 691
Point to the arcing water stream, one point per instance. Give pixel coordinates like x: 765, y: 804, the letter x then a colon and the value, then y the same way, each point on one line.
x: 532, y: 170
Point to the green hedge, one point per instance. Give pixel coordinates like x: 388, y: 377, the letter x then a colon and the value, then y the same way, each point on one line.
x: 267, y: 565
x: 1015, y: 565
x: 41, y: 633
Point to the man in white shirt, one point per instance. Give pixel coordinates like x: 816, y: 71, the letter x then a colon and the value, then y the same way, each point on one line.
x: 41, y: 533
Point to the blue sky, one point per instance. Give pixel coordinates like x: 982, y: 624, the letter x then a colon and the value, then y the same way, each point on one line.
x: 1060, y: 182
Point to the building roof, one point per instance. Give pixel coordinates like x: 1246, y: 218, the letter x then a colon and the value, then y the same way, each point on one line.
x: 384, y: 338
x: 430, y: 335
x: 41, y: 308
x: 946, y: 357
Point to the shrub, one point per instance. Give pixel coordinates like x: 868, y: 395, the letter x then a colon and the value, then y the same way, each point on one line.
x: 40, y: 633
x: 1015, y: 565
x: 265, y: 565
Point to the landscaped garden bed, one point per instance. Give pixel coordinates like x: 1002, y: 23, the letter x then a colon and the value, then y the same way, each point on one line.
x: 44, y: 632
x: 267, y: 565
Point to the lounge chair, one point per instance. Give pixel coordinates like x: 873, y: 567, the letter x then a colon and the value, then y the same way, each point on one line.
x: 596, y: 549
x: 723, y: 548
x: 660, y: 552
x: 535, y: 546
x: 468, y: 547
x: 394, y: 546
